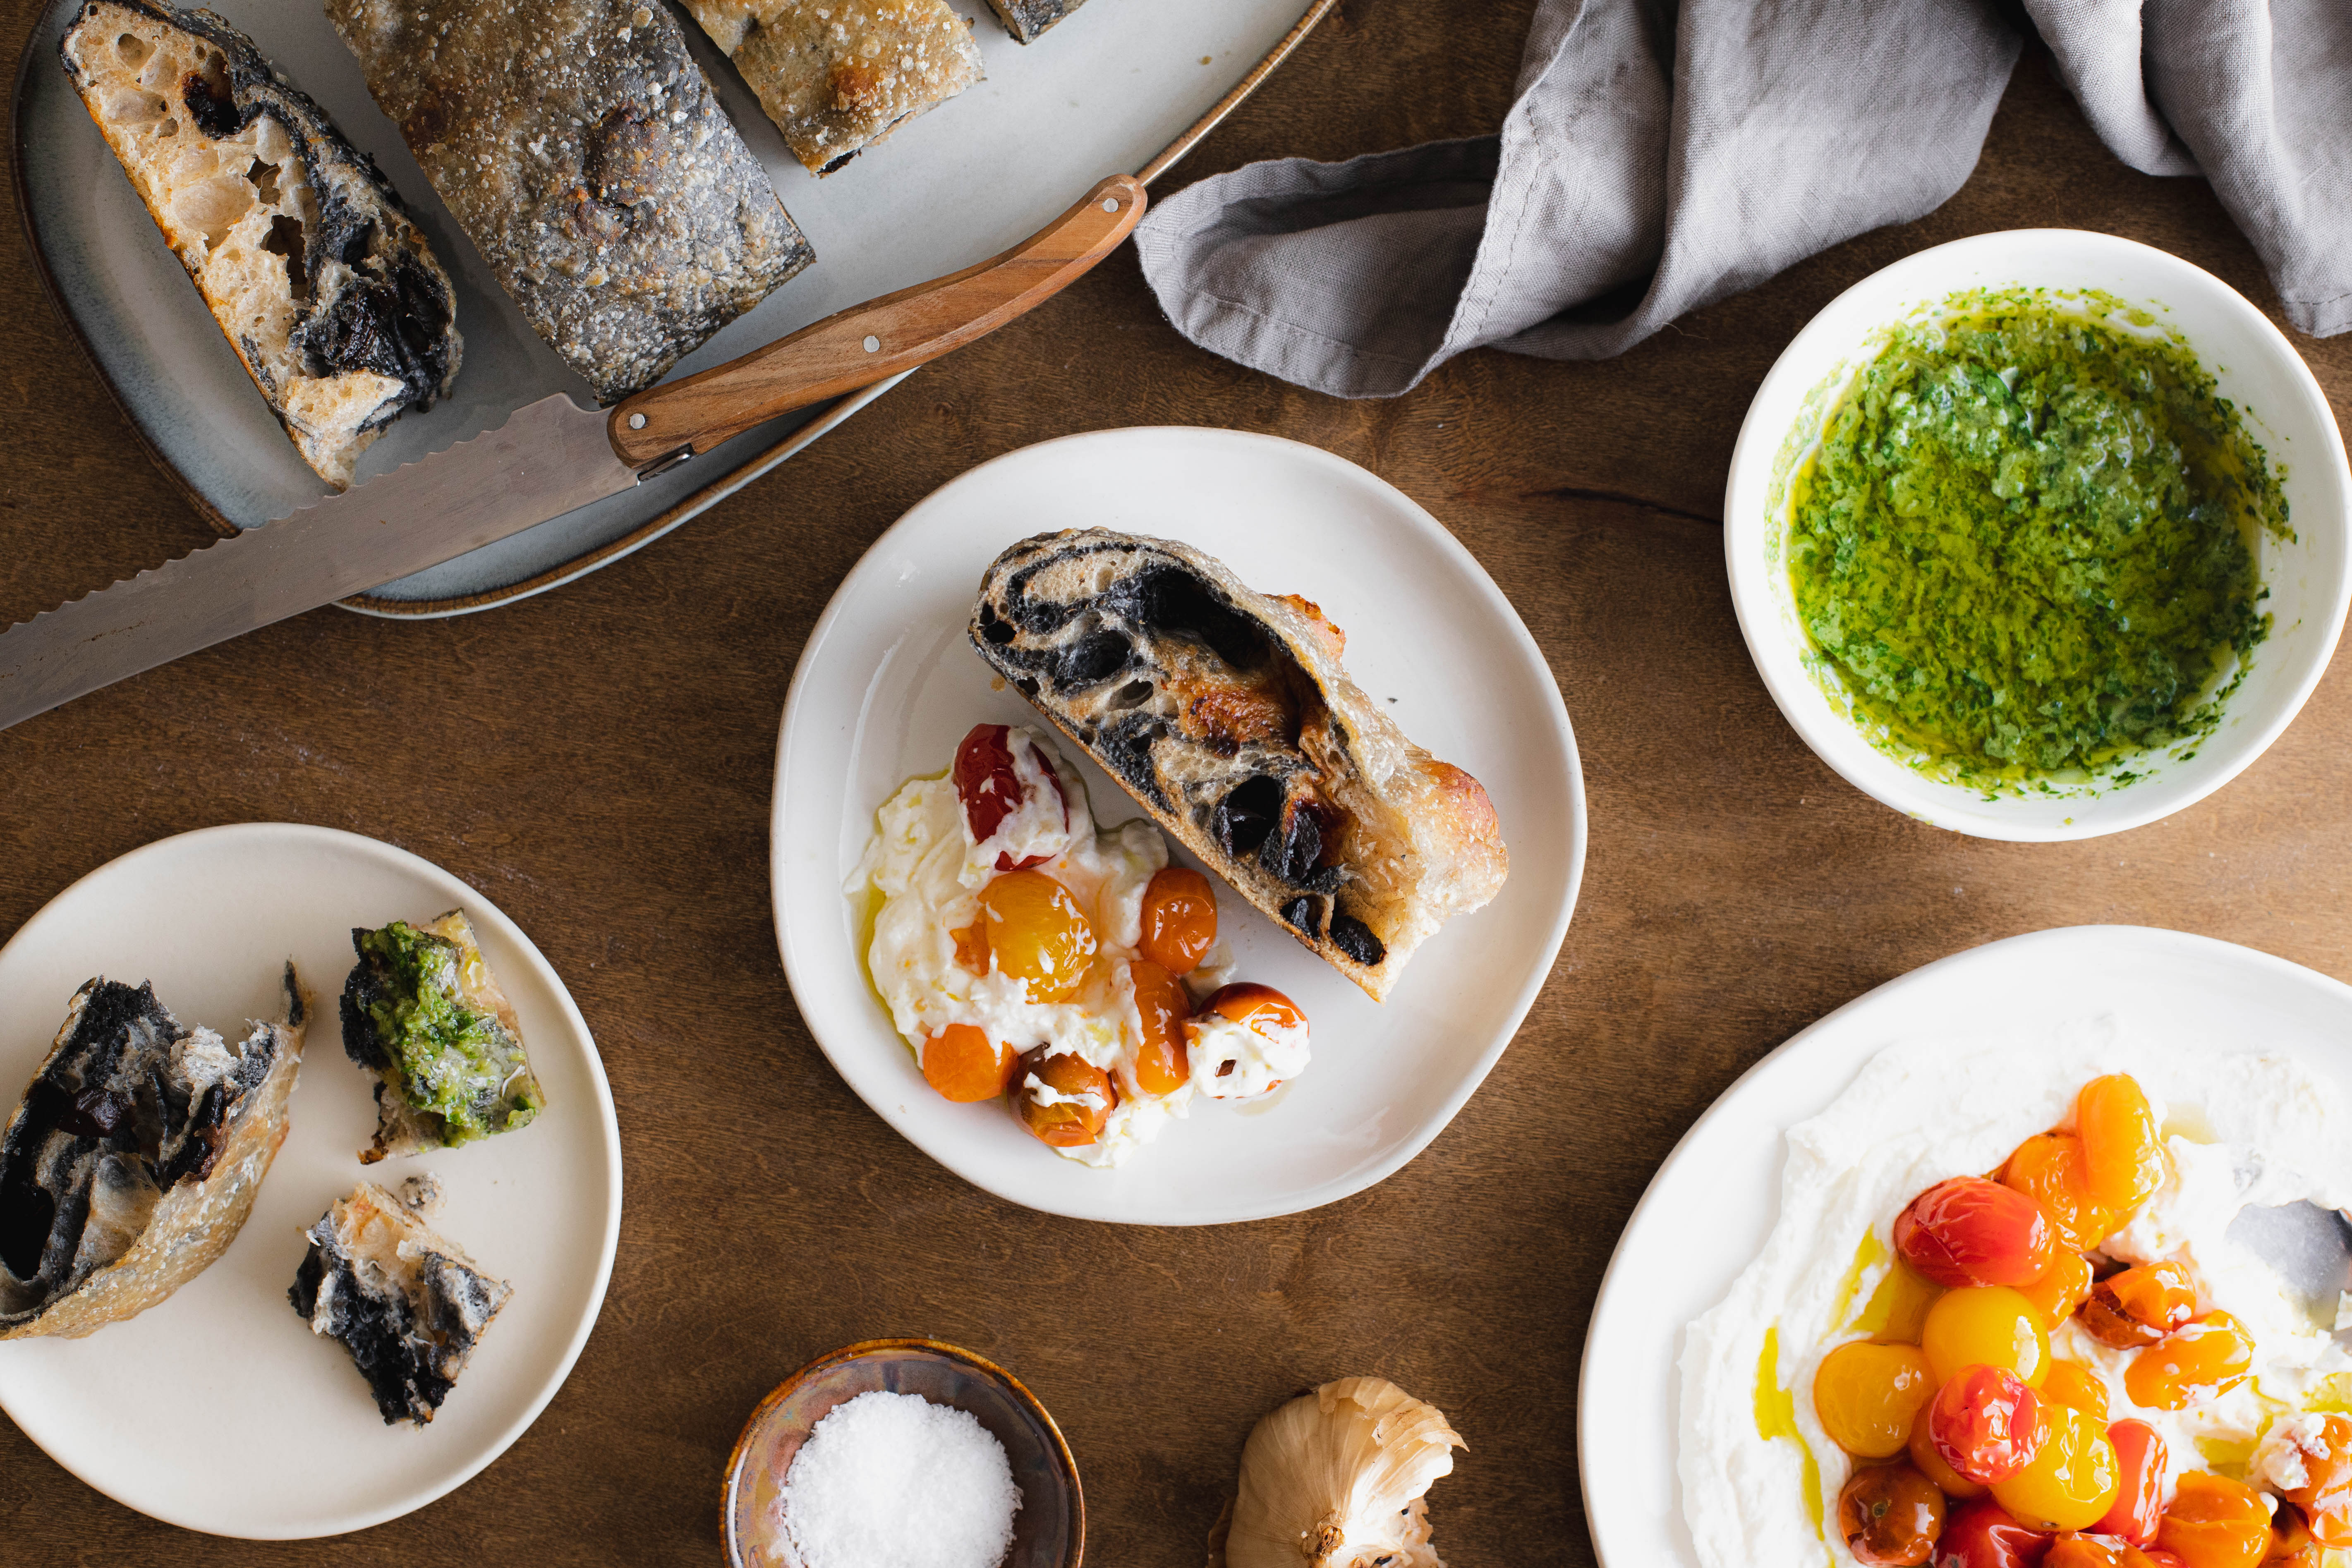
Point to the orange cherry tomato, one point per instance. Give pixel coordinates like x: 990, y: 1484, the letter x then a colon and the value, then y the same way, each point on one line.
x: 2138, y: 1507
x: 2072, y: 1384
x: 2071, y: 1480
x: 1037, y: 934
x: 1986, y: 1424
x: 2072, y: 1550
x: 2215, y: 1523
x: 1180, y: 919
x: 1867, y: 1396
x: 2139, y: 1306
x: 2292, y: 1546
x: 1260, y: 1008
x: 2324, y: 1497
x: 1890, y: 1514
x: 1990, y: 1325
x: 2057, y: 1293
x: 990, y: 788
x: 2123, y: 1151
x: 964, y: 1065
x: 1161, y: 1066
x: 1969, y: 1231
x: 1077, y: 1105
x: 2048, y: 1168
x: 1930, y: 1463
x: 2206, y: 1356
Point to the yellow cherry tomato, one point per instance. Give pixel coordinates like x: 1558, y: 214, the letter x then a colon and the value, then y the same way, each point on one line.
x: 2073, y: 1478
x: 1036, y: 933
x: 1985, y: 1325
x: 1868, y: 1395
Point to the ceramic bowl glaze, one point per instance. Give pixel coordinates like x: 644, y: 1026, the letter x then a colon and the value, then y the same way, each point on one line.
x: 1050, y: 1531
x: 2308, y: 579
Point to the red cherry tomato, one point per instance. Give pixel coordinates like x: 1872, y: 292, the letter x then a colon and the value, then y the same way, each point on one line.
x: 1969, y: 1231
x: 1986, y: 1423
x: 1979, y: 1533
x: 990, y: 787
x: 2140, y: 1461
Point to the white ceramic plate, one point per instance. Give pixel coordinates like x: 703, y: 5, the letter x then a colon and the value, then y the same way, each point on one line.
x: 1714, y: 1202
x: 889, y: 683
x: 218, y: 1410
x: 1101, y: 93
x: 2308, y: 579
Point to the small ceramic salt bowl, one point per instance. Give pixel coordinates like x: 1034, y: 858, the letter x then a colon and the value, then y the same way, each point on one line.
x: 2308, y: 579
x: 1050, y: 1530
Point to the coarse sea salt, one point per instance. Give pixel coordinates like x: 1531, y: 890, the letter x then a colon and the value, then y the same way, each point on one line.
x: 892, y: 1480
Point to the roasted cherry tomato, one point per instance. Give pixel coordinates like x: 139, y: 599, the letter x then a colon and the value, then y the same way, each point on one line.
x: 1180, y: 919
x: 1868, y: 1396
x: 1931, y: 1464
x: 1064, y: 1098
x: 2140, y: 1472
x: 2139, y: 1306
x: 989, y: 785
x: 1259, y: 1008
x: 2292, y: 1546
x: 2073, y: 1551
x: 1969, y: 1231
x: 1979, y: 1533
x: 2326, y: 1495
x: 1890, y: 1514
x: 965, y: 1065
x: 1990, y: 1325
x: 2070, y: 1483
x: 2215, y: 1523
x: 2072, y: 1382
x: 1036, y: 933
x: 2048, y: 1168
x: 1986, y: 1423
x: 1161, y: 1006
x: 2208, y: 1355
x: 2057, y: 1293
x: 2123, y: 1153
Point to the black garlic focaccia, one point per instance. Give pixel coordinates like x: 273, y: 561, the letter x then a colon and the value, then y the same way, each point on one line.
x: 403, y: 1299
x: 327, y: 292
x: 591, y: 165
x: 1024, y: 19
x: 1226, y: 714
x: 136, y: 1157
x: 837, y: 76
x: 423, y: 1012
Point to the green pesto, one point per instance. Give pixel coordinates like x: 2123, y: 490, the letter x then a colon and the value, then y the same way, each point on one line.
x: 462, y: 1064
x: 2025, y: 544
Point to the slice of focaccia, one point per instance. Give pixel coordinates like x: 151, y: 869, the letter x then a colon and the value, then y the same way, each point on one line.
x: 1227, y: 716
x: 1024, y: 19
x: 136, y: 1157
x: 581, y: 146
x: 837, y: 76
x: 330, y: 295
x: 404, y: 1299
x: 424, y: 1013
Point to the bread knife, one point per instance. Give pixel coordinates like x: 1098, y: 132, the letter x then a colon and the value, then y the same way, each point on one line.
x: 550, y: 457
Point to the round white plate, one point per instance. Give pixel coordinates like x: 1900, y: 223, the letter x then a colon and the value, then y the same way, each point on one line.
x: 889, y: 683
x: 218, y: 1410
x: 1714, y: 1201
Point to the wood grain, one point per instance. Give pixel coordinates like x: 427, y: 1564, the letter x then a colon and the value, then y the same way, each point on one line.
x: 598, y: 761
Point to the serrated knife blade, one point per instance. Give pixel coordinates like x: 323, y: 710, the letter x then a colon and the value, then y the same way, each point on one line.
x: 551, y: 457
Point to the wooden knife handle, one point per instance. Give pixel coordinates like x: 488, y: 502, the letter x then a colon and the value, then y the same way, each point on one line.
x: 876, y: 341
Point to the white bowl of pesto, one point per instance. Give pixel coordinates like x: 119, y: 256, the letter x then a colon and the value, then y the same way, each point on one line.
x: 2040, y: 535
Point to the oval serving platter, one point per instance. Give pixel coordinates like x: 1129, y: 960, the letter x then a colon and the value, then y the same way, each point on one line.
x: 1120, y: 85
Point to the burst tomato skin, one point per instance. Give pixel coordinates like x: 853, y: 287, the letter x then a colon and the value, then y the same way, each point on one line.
x: 1979, y: 1533
x: 2140, y: 1305
x: 1969, y: 1231
x: 1986, y: 1423
x: 2140, y: 1462
x: 2215, y: 1523
x: 990, y: 787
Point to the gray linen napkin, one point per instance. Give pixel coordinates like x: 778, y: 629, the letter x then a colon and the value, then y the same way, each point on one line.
x: 1660, y: 157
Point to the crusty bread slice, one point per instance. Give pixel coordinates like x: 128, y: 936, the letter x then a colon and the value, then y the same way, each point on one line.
x: 837, y: 76
x: 1024, y: 19
x: 1226, y: 714
x: 330, y: 295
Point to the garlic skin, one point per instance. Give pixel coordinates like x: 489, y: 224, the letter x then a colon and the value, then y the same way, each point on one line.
x: 1334, y: 1479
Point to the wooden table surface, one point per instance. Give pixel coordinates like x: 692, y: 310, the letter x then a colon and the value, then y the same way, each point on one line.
x: 597, y: 759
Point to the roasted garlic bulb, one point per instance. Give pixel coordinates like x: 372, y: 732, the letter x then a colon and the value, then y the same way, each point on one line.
x: 1334, y: 1479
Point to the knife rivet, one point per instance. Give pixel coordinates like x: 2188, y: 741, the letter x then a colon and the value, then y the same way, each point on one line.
x: 637, y: 421
x: 1110, y: 204
x: 873, y: 345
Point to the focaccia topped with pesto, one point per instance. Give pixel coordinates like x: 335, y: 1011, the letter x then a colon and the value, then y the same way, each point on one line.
x: 423, y: 1012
